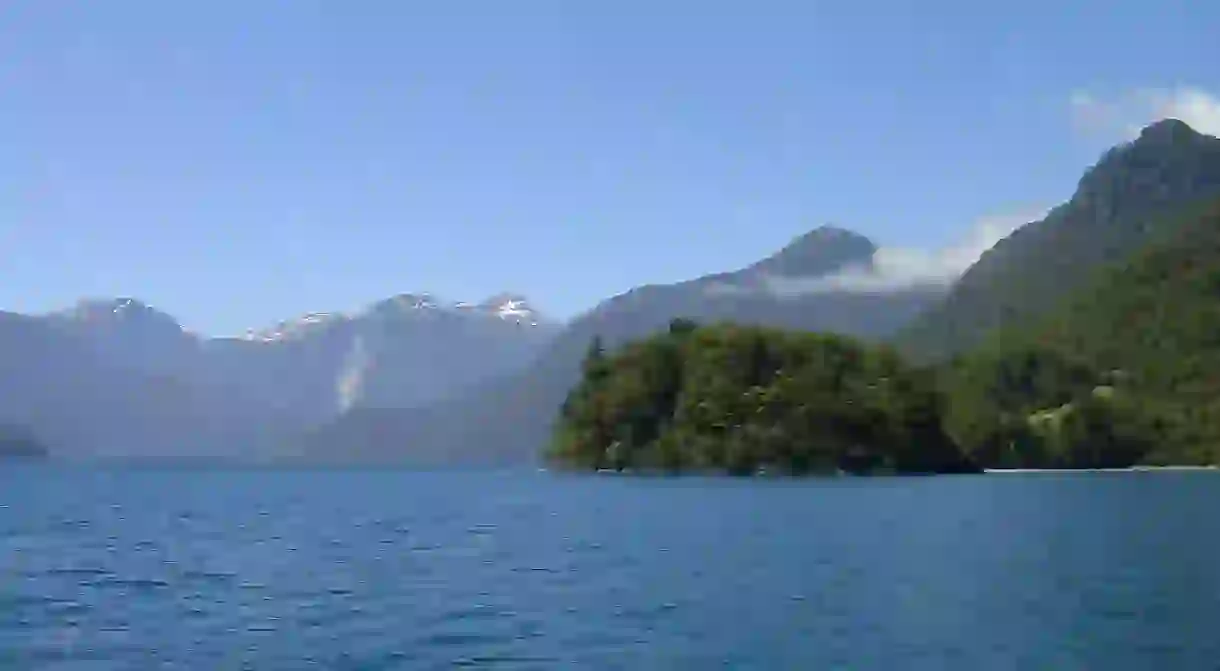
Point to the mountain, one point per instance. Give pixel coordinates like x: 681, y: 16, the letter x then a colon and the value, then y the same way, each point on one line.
x: 119, y: 377
x: 789, y: 289
x: 508, y: 419
x: 1121, y: 373
x: 128, y: 332
x: 1153, y: 323
x: 405, y: 351
x: 55, y: 382
x: 415, y: 378
x: 1127, y: 364
x: 1117, y: 208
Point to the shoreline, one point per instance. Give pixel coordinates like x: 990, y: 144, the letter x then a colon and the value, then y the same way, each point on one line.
x: 829, y: 474
x: 1129, y: 469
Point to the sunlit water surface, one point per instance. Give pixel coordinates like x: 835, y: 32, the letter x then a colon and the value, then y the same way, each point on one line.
x: 284, y: 569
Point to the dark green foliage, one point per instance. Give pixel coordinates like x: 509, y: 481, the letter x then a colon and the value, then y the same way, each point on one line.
x: 739, y: 399
x: 679, y: 326
x: 1151, y: 326
x: 1124, y: 372
x: 1101, y: 433
x: 994, y: 390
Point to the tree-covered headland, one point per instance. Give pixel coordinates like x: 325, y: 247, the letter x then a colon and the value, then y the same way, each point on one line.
x: 1125, y: 372
x: 739, y: 399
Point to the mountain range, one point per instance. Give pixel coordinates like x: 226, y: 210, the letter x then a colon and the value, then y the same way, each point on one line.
x: 507, y: 418
x: 414, y: 379
x: 119, y: 377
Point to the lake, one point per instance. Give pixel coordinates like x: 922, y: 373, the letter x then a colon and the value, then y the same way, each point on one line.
x: 143, y: 568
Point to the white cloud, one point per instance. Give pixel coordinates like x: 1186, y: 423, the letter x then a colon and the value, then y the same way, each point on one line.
x: 895, y: 268
x: 1122, y: 116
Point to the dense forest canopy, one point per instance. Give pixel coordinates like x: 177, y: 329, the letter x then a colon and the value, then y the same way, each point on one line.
x: 737, y: 399
x: 1151, y: 328
x: 1125, y: 372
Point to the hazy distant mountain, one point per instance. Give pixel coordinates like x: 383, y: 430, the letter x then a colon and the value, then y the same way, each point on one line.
x: 56, y: 382
x: 118, y: 377
x: 1110, y: 216
x: 506, y: 419
x: 402, y: 352
x: 129, y: 333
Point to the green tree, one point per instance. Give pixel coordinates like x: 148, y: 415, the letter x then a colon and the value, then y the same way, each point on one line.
x: 740, y: 399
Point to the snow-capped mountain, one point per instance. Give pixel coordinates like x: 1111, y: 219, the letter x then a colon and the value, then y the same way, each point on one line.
x: 507, y: 307
x: 404, y: 351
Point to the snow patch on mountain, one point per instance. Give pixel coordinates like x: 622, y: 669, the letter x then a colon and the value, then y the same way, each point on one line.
x: 505, y: 307
x: 295, y: 328
x: 511, y: 307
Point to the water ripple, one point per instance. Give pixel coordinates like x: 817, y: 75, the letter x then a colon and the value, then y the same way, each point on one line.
x: 394, y: 570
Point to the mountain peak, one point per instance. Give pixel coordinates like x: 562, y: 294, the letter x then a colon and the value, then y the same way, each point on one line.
x: 115, y: 305
x: 832, y: 232
x: 1168, y: 157
x: 1167, y: 130
x: 821, y: 251
x: 829, y: 237
x: 120, y: 310
x: 411, y: 300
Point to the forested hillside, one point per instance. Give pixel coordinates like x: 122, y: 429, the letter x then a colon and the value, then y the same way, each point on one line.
x: 1146, y: 330
x: 1124, y: 202
x: 1125, y: 372
x: 737, y: 399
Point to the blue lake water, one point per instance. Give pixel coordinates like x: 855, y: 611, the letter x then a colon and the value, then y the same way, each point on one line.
x: 266, y: 569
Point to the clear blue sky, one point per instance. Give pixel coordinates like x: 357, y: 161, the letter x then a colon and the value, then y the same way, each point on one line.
x: 238, y: 162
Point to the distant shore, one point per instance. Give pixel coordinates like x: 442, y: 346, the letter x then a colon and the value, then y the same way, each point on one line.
x: 646, y: 472
x: 1130, y: 469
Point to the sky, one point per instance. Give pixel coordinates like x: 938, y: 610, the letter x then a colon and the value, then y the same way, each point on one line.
x: 236, y: 163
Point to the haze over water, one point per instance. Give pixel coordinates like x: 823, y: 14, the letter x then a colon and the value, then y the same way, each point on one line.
x: 198, y: 569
